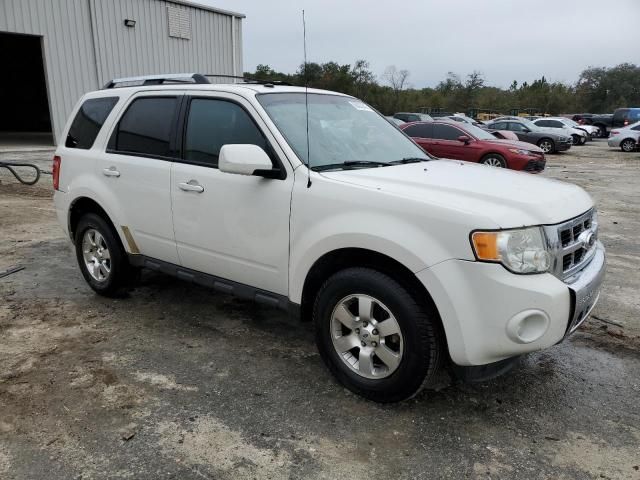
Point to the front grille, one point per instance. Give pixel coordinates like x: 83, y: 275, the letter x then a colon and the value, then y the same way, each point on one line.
x: 535, y: 165
x: 570, y: 242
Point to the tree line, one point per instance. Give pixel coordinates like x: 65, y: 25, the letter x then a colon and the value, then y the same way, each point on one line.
x: 597, y: 90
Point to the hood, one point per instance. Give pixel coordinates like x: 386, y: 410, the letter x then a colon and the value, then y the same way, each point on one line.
x: 507, y: 198
x: 515, y: 144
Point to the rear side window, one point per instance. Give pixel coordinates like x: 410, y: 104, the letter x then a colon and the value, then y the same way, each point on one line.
x: 421, y: 131
x: 88, y: 122
x: 146, y: 127
x: 213, y: 123
x: 446, y: 132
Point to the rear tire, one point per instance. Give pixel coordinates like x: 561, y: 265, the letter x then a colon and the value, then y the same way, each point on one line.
x: 101, y: 257
x: 547, y: 145
x: 628, y: 145
x: 494, y: 160
x: 373, y: 335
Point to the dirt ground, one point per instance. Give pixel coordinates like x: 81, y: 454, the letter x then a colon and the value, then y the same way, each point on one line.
x: 176, y: 381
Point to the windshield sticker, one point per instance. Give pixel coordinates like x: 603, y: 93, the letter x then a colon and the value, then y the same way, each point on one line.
x: 361, y: 106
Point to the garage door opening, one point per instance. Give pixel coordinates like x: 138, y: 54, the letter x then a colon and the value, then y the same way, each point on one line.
x: 23, y: 92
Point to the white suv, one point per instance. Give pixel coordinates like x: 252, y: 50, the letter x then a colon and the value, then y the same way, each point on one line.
x: 403, y: 262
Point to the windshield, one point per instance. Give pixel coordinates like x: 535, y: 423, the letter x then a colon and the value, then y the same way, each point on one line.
x: 425, y: 118
x: 571, y: 123
x: 341, y: 129
x: 478, y: 132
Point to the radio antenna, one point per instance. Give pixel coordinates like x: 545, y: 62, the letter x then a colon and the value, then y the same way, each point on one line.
x: 306, y: 95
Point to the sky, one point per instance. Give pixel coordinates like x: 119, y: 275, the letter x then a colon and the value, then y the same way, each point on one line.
x: 505, y: 40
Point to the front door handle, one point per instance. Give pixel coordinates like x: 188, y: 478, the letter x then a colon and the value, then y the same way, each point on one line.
x: 191, y: 186
x: 110, y: 172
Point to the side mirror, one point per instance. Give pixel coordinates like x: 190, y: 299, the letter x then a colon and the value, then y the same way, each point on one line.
x: 246, y: 160
x: 464, y: 139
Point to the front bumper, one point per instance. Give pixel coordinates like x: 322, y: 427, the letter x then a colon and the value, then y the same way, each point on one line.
x: 483, y: 307
x: 563, y: 146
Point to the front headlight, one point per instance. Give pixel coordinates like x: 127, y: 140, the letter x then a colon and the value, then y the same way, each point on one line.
x: 520, y: 251
x: 520, y: 151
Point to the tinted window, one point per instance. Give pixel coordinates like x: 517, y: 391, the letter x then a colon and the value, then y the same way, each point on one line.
x: 422, y: 131
x: 146, y: 127
x: 214, y: 123
x: 516, y: 127
x: 556, y: 124
x: 89, y: 121
x: 446, y: 132
x: 499, y: 126
x: 543, y: 123
x: 637, y: 127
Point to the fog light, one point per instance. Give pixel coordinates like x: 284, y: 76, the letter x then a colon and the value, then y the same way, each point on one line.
x: 528, y: 326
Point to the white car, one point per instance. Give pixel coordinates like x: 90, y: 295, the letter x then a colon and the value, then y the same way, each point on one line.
x: 578, y: 136
x: 314, y: 203
x: 591, y: 130
x: 626, y: 138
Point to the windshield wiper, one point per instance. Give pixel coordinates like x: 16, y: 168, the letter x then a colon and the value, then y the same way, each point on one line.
x: 350, y: 163
x: 409, y: 160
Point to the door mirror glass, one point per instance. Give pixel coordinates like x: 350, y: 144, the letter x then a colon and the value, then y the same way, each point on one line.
x: 246, y: 159
x: 464, y: 139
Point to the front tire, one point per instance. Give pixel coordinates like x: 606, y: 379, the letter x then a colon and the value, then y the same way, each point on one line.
x: 374, y: 336
x: 494, y: 160
x: 101, y: 258
x: 628, y: 145
x: 575, y: 139
x: 547, y: 145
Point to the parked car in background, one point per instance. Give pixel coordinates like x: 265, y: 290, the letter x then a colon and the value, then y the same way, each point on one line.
x: 579, y: 137
x: 623, y: 117
x: 503, y: 134
x: 627, y: 138
x: 412, y: 117
x: 527, y: 131
x: 591, y: 130
x: 463, y: 141
x: 603, y: 122
x: 462, y: 119
x: 395, y: 121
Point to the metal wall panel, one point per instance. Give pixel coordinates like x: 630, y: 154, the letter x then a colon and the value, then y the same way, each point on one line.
x: 86, y: 43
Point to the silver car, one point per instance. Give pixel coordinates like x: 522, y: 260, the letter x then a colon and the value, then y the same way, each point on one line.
x: 627, y: 138
x: 579, y: 137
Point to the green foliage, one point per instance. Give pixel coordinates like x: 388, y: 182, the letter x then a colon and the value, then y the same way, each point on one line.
x: 598, y: 90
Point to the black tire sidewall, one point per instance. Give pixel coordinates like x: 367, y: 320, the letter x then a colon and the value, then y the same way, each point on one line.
x: 113, y: 284
x: 420, y: 345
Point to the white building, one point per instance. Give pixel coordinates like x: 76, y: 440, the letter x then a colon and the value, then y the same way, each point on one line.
x: 53, y: 51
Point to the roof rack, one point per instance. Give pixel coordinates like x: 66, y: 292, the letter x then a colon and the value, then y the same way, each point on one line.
x: 251, y: 80
x: 157, y: 80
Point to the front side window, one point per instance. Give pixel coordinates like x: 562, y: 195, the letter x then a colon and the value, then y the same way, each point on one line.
x: 516, y: 127
x: 88, y: 122
x: 341, y: 129
x: 146, y: 126
x: 446, y: 132
x: 212, y: 123
x: 499, y: 126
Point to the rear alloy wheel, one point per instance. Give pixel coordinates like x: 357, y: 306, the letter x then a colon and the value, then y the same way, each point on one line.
x: 374, y: 336
x: 546, y: 145
x: 494, y: 160
x: 628, y: 145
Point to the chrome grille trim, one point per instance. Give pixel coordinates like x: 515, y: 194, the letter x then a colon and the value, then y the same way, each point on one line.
x: 569, y: 252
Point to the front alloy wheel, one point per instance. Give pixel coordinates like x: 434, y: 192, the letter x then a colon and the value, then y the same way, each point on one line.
x: 378, y: 338
x: 366, y: 336
x: 546, y: 146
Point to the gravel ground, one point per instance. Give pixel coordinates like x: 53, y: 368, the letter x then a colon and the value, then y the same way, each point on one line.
x: 176, y: 381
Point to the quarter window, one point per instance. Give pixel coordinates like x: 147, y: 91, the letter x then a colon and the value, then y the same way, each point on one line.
x: 213, y: 123
x: 146, y: 126
x: 88, y: 122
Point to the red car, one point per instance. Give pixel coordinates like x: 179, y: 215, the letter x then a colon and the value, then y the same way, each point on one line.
x: 473, y: 144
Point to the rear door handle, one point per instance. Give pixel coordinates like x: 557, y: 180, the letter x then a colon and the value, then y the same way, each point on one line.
x: 110, y: 172
x: 191, y: 186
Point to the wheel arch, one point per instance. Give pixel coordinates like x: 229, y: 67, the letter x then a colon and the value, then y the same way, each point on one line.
x: 342, y: 258
x: 83, y: 205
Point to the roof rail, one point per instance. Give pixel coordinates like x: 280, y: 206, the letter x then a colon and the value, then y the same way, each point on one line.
x: 157, y: 80
x: 250, y: 80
